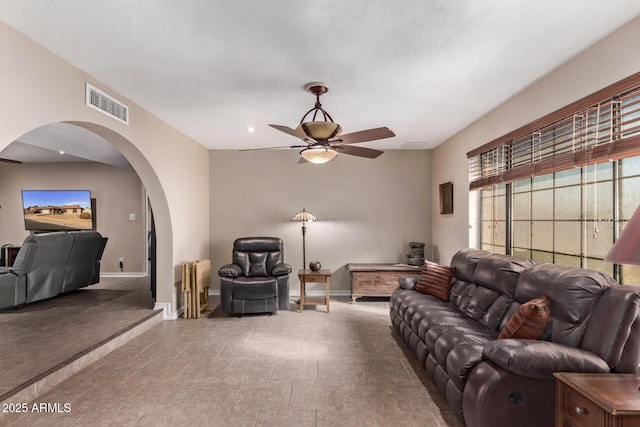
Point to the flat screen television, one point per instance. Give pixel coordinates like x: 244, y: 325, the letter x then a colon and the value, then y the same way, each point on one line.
x: 57, y: 210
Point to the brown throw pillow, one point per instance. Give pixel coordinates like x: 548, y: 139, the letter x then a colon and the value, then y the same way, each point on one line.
x: 529, y: 321
x: 435, y: 279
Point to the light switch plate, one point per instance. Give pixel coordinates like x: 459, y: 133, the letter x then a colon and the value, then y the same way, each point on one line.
x: 132, y: 217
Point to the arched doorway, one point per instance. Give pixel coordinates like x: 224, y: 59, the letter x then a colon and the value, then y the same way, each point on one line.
x: 174, y: 168
x: 163, y: 239
x: 156, y: 196
x: 62, y: 319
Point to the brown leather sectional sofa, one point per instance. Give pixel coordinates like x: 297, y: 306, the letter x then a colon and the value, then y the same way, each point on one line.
x: 594, y: 326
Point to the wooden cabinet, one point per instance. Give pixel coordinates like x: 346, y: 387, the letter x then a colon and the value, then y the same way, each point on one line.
x: 597, y: 400
x: 377, y: 280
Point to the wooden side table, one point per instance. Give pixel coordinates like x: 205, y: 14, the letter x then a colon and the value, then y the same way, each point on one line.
x: 320, y: 276
x: 603, y: 400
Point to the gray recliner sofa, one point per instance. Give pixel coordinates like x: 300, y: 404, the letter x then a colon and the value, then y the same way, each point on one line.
x: 83, y: 265
x: 49, y: 264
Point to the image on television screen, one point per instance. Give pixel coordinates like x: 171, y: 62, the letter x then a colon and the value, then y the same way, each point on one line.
x: 53, y: 210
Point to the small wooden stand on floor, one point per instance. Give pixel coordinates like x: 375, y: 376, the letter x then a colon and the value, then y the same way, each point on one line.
x: 196, y: 281
x: 308, y: 276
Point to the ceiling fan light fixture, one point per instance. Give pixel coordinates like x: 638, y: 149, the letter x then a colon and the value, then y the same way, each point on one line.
x: 323, y: 137
x: 320, y: 130
x: 318, y: 155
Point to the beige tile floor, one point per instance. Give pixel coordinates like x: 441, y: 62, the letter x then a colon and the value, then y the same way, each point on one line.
x: 43, y: 335
x: 344, y: 368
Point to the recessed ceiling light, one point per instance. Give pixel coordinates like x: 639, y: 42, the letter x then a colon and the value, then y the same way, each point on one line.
x: 61, y: 152
x: 251, y: 129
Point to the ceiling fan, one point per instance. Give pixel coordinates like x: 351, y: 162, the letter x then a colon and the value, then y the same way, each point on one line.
x: 323, y: 139
x: 10, y: 161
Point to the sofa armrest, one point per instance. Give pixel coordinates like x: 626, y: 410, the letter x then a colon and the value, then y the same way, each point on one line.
x: 230, y: 270
x: 540, y: 359
x: 281, y: 269
x: 408, y: 282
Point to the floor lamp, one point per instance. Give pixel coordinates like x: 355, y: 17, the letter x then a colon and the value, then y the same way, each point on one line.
x: 304, y: 216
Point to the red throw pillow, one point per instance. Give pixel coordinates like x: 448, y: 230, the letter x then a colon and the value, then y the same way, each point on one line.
x: 435, y: 279
x: 529, y: 321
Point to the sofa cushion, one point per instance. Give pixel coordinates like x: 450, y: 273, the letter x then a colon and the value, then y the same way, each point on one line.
x: 258, y: 264
x: 458, y: 337
x: 465, y: 262
x: 430, y: 311
x: 461, y: 361
x: 252, y: 289
x: 500, y: 272
x: 481, y: 300
x: 540, y: 359
x: 617, y: 310
x: 529, y: 321
x: 496, y: 312
x: 483, y: 304
x: 460, y: 325
x: 257, y: 256
x: 435, y: 279
x: 574, y: 293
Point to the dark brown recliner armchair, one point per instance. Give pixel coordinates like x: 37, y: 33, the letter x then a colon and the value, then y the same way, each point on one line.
x: 258, y: 279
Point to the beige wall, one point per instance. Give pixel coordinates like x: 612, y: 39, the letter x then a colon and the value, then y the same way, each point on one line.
x: 368, y: 210
x: 43, y: 89
x: 607, y: 62
x: 118, y: 193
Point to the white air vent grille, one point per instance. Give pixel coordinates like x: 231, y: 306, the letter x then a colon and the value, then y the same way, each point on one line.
x: 414, y: 145
x: 104, y: 103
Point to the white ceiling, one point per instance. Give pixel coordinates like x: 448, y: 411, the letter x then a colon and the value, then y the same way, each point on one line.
x: 424, y: 68
x: 63, y: 143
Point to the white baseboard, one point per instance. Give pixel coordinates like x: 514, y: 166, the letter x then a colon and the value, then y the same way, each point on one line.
x: 167, y: 314
x: 124, y: 274
x: 296, y: 294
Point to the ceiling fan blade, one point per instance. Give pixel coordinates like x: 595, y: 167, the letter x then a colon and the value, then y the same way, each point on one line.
x: 292, y: 132
x: 369, y: 153
x: 17, y: 162
x: 364, y: 136
x: 274, y: 148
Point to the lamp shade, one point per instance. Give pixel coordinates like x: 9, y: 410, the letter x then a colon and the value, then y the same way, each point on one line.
x: 626, y: 250
x: 304, y: 216
x: 318, y: 155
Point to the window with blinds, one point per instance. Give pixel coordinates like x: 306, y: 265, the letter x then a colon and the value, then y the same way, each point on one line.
x: 561, y: 189
x: 601, y: 127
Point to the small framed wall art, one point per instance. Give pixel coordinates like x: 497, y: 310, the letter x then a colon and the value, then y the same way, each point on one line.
x: 446, y: 198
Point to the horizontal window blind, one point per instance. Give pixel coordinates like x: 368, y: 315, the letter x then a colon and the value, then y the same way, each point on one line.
x: 586, y: 132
